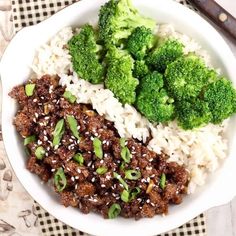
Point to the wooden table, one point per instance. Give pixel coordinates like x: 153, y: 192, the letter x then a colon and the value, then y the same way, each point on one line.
x: 16, y: 206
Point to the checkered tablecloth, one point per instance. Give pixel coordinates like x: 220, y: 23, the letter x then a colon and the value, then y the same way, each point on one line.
x: 31, y: 12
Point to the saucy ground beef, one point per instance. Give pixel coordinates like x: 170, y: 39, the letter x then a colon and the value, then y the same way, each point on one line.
x: 93, y: 168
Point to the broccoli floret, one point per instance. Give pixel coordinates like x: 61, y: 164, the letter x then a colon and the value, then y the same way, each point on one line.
x: 186, y: 77
x: 117, y: 20
x: 140, y: 41
x: 140, y: 69
x: 86, y: 55
x: 221, y: 97
x: 152, y: 99
x: 119, y: 78
x: 165, y: 53
x: 193, y: 114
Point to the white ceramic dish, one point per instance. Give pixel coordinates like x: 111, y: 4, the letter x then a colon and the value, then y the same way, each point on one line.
x: 15, y: 69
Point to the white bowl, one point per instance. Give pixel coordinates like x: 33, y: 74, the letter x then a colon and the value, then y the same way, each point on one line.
x: 15, y: 69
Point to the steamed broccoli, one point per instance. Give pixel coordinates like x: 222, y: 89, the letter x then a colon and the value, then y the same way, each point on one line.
x: 140, y: 41
x: 165, y: 53
x: 186, y: 77
x: 221, y: 97
x: 86, y: 55
x: 140, y: 69
x: 152, y: 99
x: 193, y: 114
x: 119, y: 78
x: 117, y: 20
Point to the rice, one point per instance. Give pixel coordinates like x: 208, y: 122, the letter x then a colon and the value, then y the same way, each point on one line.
x: 201, y: 150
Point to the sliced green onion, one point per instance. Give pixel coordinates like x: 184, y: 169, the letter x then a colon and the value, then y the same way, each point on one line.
x: 60, y: 179
x: 122, y: 166
x: 97, y: 147
x: 114, y: 211
x: 29, y: 139
x: 73, y: 124
x: 122, y: 142
x: 39, y: 152
x: 29, y: 89
x: 117, y: 176
x: 101, y: 170
x: 125, y: 154
x: 125, y: 196
x: 58, y: 132
x: 163, y: 181
x: 78, y: 158
x: 69, y: 96
x: 132, y: 174
x: 134, y: 193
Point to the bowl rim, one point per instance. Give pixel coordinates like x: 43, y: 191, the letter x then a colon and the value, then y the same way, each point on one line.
x: 95, y: 230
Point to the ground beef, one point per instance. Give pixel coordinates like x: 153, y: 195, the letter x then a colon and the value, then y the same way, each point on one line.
x: 86, y: 188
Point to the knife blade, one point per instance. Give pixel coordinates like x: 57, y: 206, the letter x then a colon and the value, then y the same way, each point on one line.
x: 218, y: 15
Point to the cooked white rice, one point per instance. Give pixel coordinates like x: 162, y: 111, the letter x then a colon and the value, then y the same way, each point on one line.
x: 200, y: 150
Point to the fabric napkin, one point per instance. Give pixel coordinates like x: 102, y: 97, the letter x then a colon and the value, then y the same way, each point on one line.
x: 31, y: 12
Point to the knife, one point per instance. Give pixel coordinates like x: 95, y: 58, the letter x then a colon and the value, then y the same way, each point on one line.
x: 217, y: 14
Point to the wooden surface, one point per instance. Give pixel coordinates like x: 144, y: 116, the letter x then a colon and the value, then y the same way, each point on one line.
x: 15, y: 202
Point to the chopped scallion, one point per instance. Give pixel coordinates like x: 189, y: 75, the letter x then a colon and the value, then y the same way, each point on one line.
x: 69, y: 96
x: 134, y: 193
x: 132, y: 174
x: 78, y: 158
x: 39, y: 152
x: 58, y: 132
x: 101, y: 170
x: 29, y: 139
x: 60, y: 179
x: 29, y: 89
x: 118, y: 177
x: 125, y: 196
x: 125, y: 154
x: 73, y: 124
x: 114, y: 211
x: 122, y: 142
x: 97, y: 147
x: 163, y: 181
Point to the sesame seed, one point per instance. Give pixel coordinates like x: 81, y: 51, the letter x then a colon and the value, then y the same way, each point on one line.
x: 78, y: 170
x: 151, y: 159
x: 68, y: 168
x: 96, y: 134
x: 34, y: 120
x: 45, y: 132
x: 89, y: 152
x: 45, y: 138
x: 92, y: 138
x: 39, y: 142
x: 76, y: 186
x: 36, y: 114
x: 76, y: 177
x: 46, y: 117
x: 73, y: 178
x: 144, y: 155
x: 89, y: 164
x: 71, y: 140
x: 46, y: 154
x: 101, y: 161
x: 148, y: 201
x: 48, y: 148
x: 52, y: 170
x: 93, y: 179
x: 35, y: 100
x: 103, y: 185
x: 54, y: 161
x: 148, y: 168
x: 105, y: 155
x: 152, y: 204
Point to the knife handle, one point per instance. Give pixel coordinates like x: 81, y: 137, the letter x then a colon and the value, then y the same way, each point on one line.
x: 217, y: 14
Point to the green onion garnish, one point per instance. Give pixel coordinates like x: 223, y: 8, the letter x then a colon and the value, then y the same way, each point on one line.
x: 58, y: 132
x: 29, y: 139
x: 69, y: 96
x: 125, y: 154
x: 122, y: 165
x: 60, y: 179
x: 122, y: 142
x: 132, y: 174
x: 78, y: 158
x: 29, y: 89
x: 97, y: 146
x: 101, y: 170
x: 39, y: 152
x: 73, y: 124
x: 114, y: 211
x: 134, y: 193
x: 163, y: 181
x: 125, y: 196
x: 117, y: 176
